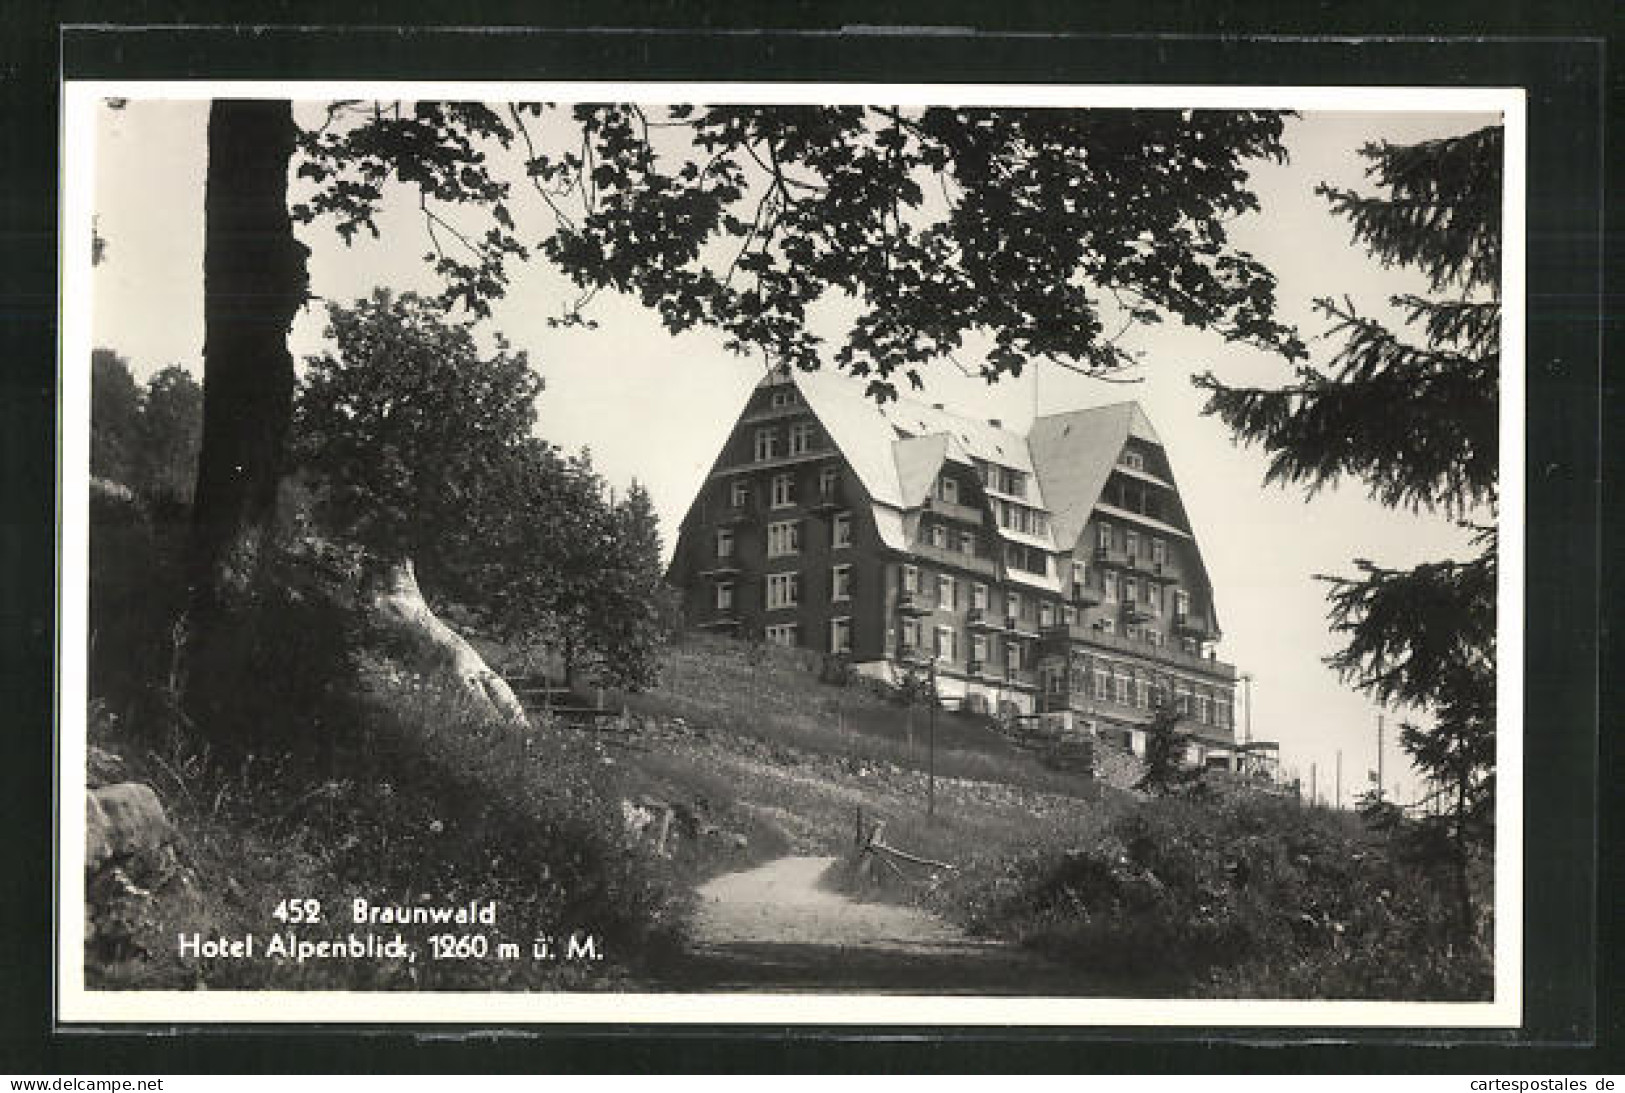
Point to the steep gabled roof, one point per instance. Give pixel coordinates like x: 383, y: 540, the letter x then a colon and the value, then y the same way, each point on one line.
x: 919, y: 459
x: 1074, y: 453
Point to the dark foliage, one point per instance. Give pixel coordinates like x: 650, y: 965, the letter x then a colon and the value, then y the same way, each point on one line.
x: 1019, y: 223
x: 1238, y: 895
x: 1414, y: 415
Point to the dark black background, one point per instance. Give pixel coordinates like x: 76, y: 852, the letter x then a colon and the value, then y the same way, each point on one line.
x: 1556, y: 50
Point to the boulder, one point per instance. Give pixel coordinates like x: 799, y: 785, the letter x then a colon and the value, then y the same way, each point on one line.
x: 123, y: 819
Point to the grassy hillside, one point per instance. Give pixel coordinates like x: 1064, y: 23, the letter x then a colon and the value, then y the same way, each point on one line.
x: 775, y: 696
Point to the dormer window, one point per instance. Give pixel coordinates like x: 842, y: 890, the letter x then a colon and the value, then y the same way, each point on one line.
x: 1133, y: 460
x: 782, y: 398
x: 948, y: 490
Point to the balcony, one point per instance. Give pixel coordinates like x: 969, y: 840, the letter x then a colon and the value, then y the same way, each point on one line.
x: 1084, y: 596
x: 1059, y: 640
x: 1016, y: 628
x: 909, y: 603
x: 731, y: 515
x: 811, y: 455
x: 970, y: 563
x: 722, y: 567
x: 722, y: 618
x: 912, y: 654
x: 952, y: 510
x: 1194, y: 627
x: 1025, y: 679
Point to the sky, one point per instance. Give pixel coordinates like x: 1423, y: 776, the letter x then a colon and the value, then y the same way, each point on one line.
x: 656, y: 407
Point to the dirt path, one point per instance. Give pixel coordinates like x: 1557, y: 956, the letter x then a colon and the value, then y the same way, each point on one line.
x: 780, y: 927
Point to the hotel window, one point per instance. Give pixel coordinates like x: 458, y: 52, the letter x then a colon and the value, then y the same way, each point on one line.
x: 783, y: 590
x: 1103, y: 682
x: 978, y: 648
x: 725, y: 595
x: 1046, y: 614
x: 841, y: 530
x: 1068, y: 615
x: 1221, y: 712
x: 828, y: 477
x: 1134, y: 461
x: 939, y: 536
x: 1110, y: 577
x: 911, y: 580
x: 783, y: 538
x: 840, y: 635
x: 785, y: 635
x: 784, y: 490
x: 1159, y: 551
x: 978, y: 596
x: 1182, y: 603
x: 1131, y: 589
x: 967, y: 542
x: 946, y: 593
x: 1204, y: 709
x: 783, y: 398
x: 1107, y: 626
x: 1153, y: 596
x: 1131, y: 543
x: 948, y: 490
x: 766, y: 445
x: 1012, y: 605
x: 1120, y: 689
x: 1080, y: 575
x: 1153, y: 638
x: 739, y: 494
x: 945, y: 643
x: 801, y: 437
x: 1142, y: 693
x: 1103, y: 536
x: 1017, y: 481
x: 725, y: 543
x: 911, y: 634
x: 840, y: 582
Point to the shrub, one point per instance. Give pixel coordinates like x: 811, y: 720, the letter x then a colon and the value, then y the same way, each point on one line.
x: 1239, y: 894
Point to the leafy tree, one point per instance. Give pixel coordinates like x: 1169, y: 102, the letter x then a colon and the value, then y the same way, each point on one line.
x: 115, y: 417
x: 1037, y: 228
x: 145, y: 439
x: 1413, y: 414
x: 1165, y: 769
x: 403, y: 421
x: 171, y: 433
x: 638, y: 606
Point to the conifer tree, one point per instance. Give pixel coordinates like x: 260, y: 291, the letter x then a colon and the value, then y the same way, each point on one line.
x: 1413, y: 414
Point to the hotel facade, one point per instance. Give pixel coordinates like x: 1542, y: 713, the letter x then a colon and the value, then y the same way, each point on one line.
x: 1053, y: 573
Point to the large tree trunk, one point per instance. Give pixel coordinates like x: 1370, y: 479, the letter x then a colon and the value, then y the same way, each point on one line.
x: 398, y: 603
x: 254, y: 283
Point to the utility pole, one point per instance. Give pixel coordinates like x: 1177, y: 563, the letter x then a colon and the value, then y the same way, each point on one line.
x: 1247, y: 691
x: 1339, y: 779
x: 931, y: 749
x: 1379, y: 756
x: 1314, y: 785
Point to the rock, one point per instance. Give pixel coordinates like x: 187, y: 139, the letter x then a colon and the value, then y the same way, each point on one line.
x: 123, y: 819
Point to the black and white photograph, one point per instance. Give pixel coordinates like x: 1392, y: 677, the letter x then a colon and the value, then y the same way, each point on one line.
x: 855, y: 554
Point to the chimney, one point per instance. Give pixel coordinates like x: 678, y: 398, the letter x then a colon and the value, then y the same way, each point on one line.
x: 995, y: 422
x: 936, y: 406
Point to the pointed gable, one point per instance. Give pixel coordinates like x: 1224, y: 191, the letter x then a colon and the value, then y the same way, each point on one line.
x: 1073, y: 454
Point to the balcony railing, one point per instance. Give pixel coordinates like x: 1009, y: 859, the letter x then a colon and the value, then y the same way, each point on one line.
x: 910, y: 603
x: 953, y: 510
x: 1059, y: 639
x: 972, y: 563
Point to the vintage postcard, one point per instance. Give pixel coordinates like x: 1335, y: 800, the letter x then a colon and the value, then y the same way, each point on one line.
x: 842, y: 554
